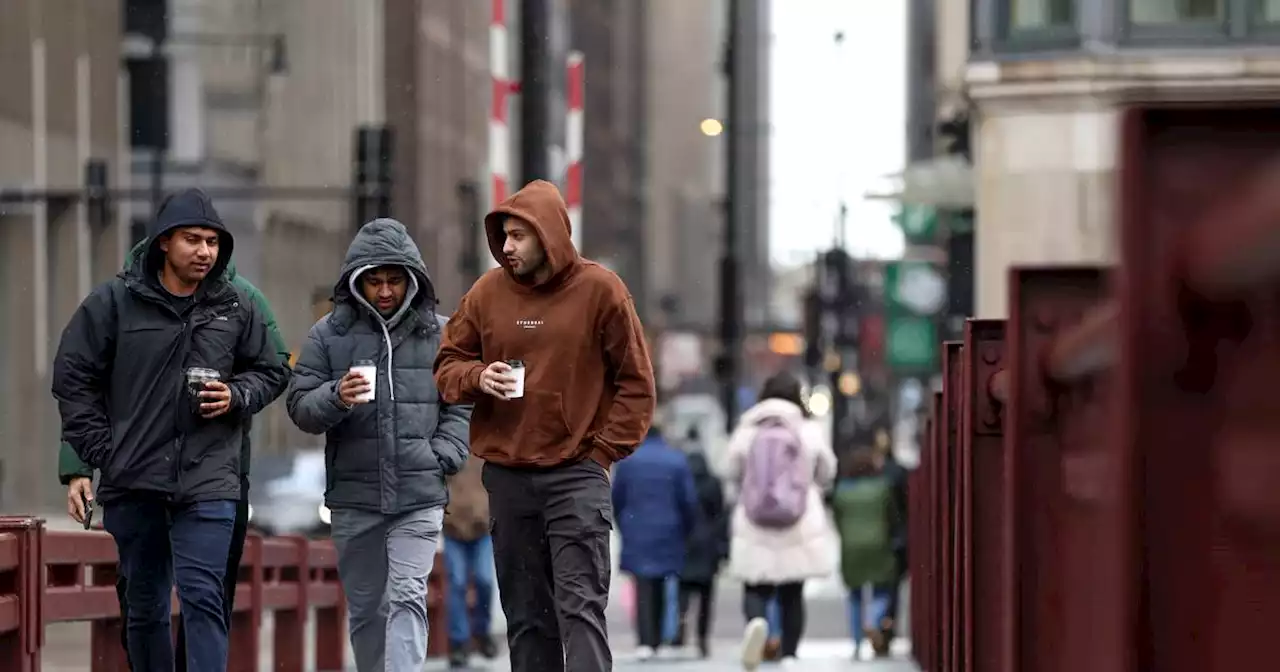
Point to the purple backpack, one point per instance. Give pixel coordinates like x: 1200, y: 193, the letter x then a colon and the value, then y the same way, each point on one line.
x: 775, y: 487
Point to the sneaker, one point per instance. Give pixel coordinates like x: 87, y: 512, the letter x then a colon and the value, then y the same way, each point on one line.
x: 753, y: 641
x: 772, y: 649
x: 485, y: 646
x: 790, y: 661
x: 644, y: 653
x: 458, y: 658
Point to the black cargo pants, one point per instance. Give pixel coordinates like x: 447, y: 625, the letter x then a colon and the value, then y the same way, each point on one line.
x: 550, y: 532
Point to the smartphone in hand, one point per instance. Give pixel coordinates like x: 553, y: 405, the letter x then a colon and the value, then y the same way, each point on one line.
x: 88, y: 511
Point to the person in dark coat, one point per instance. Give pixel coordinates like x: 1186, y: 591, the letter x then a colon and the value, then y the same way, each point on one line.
x: 655, y: 502
x: 387, y: 458
x: 705, y: 551
x: 155, y: 375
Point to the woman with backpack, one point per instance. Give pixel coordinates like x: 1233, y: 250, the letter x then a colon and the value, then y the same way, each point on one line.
x: 866, y: 515
x: 780, y: 535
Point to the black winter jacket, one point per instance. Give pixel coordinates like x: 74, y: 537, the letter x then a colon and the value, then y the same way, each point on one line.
x: 119, y: 375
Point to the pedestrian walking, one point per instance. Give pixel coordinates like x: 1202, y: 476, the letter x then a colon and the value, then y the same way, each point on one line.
x: 78, y: 476
x: 706, y: 551
x: 551, y: 351
x: 866, y: 514
x: 468, y: 556
x: 897, y: 475
x: 155, y: 375
x: 780, y: 532
x: 655, y: 504
x: 364, y: 380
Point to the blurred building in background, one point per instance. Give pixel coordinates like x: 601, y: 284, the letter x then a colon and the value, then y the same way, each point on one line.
x: 59, y: 114
x: 612, y: 38
x: 1048, y: 80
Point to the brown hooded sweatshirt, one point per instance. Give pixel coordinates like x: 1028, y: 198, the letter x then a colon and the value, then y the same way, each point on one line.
x: 589, y: 389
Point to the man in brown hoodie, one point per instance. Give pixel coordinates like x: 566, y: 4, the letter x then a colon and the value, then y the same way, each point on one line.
x: 586, y: 401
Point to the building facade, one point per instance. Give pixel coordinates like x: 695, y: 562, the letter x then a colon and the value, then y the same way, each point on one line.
x: 61, y: 109
x: 1047, y: 80
x: 612, y: 37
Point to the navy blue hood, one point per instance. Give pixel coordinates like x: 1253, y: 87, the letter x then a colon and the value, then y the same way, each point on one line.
x: 189, y: 207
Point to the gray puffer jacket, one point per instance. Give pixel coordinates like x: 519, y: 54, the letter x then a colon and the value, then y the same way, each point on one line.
x: 391, y: 455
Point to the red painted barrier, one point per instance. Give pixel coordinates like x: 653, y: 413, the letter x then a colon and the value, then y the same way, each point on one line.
x: 50, y: 577
x: 1113, y: 505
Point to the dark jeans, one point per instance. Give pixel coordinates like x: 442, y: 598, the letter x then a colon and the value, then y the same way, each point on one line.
x: 238, y: 533
x: 159, y: 544
x: 755, y: 599
x: 469, y: 564
x: 551, y: 550
x: 651, y: 608
x: 705, y: 592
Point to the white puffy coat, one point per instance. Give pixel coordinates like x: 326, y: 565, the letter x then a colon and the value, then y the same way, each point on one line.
x: 807, y: 550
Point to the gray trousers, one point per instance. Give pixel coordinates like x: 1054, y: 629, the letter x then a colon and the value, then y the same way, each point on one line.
x: 383, y: 563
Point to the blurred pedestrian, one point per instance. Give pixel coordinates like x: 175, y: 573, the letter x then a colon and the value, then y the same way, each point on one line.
x: 468, y: 556
x: 170, y: 462
x: 364, y: 380
x: 707, y: 549
x: 655, y: 504
x: 865, y: 514
x: 78, y: 476
x: 552, y: 353
x: 897, y: 475
x: 780, y: 532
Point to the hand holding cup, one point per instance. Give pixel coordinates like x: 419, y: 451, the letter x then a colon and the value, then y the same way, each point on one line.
x: 215, y: 400
x: 354, y: 388
x: 496, y: 380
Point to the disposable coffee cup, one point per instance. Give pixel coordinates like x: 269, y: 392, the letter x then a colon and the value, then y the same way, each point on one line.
x: 196, y: 379
x: 517, y: 372
x: 366, y: 369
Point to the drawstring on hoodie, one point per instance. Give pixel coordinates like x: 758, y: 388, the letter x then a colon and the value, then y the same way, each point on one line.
x: 383, y: 322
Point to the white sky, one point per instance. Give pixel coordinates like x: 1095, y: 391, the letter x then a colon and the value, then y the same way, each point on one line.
x: 839, y: 123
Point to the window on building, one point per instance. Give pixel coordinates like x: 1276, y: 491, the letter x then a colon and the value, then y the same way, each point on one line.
x: 1163, y: 12
x: 1033, y: 15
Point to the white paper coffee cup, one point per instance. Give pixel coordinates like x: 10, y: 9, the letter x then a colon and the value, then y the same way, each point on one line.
x: 517, y: 372
x: 367, y: 370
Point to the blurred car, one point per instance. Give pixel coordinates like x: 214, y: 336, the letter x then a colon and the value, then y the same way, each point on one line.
x: 287, y: 496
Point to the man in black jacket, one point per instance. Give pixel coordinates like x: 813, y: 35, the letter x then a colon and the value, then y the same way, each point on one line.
x: 170, y: 461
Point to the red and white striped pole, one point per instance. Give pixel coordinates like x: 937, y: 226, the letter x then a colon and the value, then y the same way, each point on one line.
x: 576, y: 85
x: 500, y: 104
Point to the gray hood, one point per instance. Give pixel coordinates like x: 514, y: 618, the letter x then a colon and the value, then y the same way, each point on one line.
x: 382, y: 242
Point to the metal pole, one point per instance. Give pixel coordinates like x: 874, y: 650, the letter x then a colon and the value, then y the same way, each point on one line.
x: 535, y: 19
x: 730, y: 289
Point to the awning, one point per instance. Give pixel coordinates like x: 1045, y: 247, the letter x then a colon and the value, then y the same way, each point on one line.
x: 941, y: 182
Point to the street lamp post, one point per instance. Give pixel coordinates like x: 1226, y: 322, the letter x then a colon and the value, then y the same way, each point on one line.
x: 731, y: 316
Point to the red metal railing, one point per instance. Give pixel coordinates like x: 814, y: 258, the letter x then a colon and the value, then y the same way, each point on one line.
x: 1109, y: 500
x: 52, y: 577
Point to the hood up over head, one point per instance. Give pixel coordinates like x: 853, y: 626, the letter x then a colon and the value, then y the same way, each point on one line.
x: 189, y: 207
x: 384, y: 242
x: 540, y: 204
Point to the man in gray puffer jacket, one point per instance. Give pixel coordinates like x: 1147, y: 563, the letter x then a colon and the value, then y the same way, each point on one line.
x: 386, y: 458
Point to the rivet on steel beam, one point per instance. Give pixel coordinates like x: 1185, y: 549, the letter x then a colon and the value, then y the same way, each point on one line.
x: 990, y: 354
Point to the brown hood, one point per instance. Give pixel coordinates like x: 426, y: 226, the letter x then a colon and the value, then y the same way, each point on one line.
x: 540, y: 204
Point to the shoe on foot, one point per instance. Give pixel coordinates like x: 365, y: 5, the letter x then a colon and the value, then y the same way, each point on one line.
x: 753, y: 643
x: 790, y: 661
x: 644, y: 653
x: 704, y: 649
x: 458, y: 657
x: 773, y: 649
x: 485, y: 646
